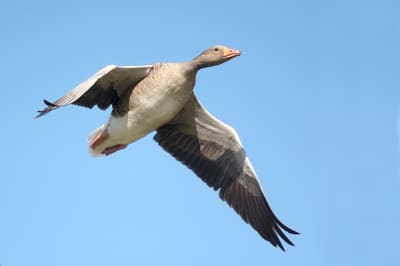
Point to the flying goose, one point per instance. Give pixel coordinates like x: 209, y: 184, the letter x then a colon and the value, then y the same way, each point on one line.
x: 160, y: 98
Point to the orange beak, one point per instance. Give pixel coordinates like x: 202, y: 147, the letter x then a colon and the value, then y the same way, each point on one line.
x: 230, y: 53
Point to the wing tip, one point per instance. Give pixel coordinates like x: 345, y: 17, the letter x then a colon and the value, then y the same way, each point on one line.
x: 286, y: 228
x: 282, y: 235
x: 50, y: 107
x: 277, y: 242
x: 264, y: 221
x: 50, y: 104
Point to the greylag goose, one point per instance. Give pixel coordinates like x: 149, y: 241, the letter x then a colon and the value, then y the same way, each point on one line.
x: 160, y: 98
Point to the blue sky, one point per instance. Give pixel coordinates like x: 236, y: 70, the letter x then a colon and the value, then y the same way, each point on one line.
x: 314, y: 97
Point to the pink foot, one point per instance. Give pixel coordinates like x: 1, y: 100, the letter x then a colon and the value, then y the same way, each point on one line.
x: 100, y: 138
x: 113, y: 149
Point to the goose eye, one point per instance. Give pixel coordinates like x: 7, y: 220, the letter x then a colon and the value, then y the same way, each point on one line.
x: 216, y: 49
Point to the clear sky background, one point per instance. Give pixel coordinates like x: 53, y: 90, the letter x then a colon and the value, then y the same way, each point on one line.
x: 314, y: 97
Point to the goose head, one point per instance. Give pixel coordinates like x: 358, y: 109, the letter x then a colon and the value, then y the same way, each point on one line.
x: 215, y: 55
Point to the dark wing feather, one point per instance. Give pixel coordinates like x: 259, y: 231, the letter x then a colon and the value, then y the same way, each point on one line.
x: 214, y: 152
x: 102, y: 89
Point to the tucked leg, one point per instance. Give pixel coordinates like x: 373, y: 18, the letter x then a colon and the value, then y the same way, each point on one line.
x: 113, y: 149
x: 102, y: 136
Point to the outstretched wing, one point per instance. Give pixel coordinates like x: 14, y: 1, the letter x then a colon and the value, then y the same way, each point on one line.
x: 213, y: 151
x: 102, y: 89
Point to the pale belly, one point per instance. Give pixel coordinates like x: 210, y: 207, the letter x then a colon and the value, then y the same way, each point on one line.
x: 142, y: 120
